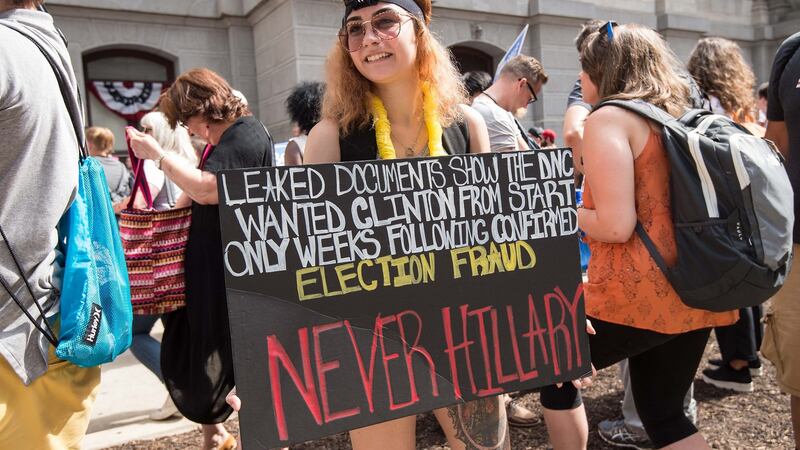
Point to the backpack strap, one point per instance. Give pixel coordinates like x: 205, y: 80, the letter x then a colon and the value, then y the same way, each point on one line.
x: 47, y: 331
x: 642, y: 108
x: 651, y: 247
x: 73, y: 107
x: 663, y: 118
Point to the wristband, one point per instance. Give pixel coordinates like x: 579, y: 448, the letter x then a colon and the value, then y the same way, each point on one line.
x: 161, y: 158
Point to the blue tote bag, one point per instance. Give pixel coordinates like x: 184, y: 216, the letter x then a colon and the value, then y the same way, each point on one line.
x: 95, y: 306
x: 96, y: 314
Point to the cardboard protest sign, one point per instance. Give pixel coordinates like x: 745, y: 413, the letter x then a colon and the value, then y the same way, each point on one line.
x: 363, y: 292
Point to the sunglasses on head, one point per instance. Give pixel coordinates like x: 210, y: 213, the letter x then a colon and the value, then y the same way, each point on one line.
x: 608, y: 30
x: 386, y: 25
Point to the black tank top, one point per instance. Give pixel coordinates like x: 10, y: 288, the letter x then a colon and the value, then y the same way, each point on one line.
x: 361, y: 145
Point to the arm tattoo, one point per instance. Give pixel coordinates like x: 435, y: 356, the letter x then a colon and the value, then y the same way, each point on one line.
x: 481, y: 424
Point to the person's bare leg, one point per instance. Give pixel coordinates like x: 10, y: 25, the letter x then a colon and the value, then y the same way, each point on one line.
x: 568, y: 429
x: 398, y: 434
x: 214, y: 435
x: 796, y: 420
x: 477, y: 425
x: 693, y: 442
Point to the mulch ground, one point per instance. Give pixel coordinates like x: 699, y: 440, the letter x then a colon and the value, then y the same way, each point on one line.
x: 759, y: 420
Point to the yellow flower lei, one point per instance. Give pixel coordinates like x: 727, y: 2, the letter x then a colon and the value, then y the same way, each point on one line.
x: 383, y: 128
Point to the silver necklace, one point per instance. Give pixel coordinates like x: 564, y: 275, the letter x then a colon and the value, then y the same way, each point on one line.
x: 410, y: 149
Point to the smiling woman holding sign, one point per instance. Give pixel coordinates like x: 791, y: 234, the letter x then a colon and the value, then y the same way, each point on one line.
x: 393, y: 93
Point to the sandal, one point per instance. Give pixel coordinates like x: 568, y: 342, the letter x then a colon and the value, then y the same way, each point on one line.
x: 229, y: 443
x: 520, y: 416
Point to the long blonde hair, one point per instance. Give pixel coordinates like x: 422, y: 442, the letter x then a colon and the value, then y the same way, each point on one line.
x: 720, y: 70
x: 347, y: 91
x: 171, y: 140
x: 635, y: 64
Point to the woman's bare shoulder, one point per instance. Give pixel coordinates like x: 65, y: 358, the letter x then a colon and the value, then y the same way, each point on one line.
x: 469, y: 113
x: 323, y: 143
x: 479, y: 136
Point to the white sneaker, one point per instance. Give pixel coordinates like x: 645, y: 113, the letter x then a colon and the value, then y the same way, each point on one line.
x: 166, y: 411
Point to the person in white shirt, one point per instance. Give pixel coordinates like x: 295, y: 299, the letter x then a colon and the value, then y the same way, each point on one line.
x: 518, y: 86
x: 304, y: 106
x: 166, y: 195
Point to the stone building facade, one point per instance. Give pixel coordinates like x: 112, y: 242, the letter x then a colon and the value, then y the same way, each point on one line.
x: 264, y: 47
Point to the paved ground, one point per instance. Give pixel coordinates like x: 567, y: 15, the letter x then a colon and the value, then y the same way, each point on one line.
x: 128, y: 393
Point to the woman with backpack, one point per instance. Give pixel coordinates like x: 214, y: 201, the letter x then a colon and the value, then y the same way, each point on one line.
x: 633, y: 308
x: 721, y: 72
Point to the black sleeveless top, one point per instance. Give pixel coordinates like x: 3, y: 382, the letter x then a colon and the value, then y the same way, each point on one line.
x: 361, y: 144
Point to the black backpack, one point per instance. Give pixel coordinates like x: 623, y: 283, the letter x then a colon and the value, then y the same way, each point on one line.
x: 732, y: 208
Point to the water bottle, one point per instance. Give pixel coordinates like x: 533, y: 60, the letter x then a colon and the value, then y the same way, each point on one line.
x: 584, y: 248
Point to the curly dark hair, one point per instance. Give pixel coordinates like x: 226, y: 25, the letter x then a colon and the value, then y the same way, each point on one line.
x: 304, y: 104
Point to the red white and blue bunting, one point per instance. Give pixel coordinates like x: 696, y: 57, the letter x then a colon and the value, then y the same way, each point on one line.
x: 128, y: 99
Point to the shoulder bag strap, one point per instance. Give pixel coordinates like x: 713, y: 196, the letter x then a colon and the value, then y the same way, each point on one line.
x: 271, y: 153
x: 531, y: 145
x: 642, y: 108
x: 139, y: 178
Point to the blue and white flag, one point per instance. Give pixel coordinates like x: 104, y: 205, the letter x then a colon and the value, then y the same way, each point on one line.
x: 514, y: 50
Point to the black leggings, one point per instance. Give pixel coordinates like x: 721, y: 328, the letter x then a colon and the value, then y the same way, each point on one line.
x: 662, y: 367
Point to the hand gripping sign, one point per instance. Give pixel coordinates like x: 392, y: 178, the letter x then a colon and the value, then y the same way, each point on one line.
x: 364, y: 292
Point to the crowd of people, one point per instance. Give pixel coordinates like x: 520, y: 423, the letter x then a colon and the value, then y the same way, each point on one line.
x: 392, y: 91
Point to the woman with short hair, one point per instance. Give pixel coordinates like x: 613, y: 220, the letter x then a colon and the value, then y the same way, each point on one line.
x: 196, y: 348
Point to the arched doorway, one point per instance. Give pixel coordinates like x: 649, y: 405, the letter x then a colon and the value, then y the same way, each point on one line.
x: 123, y: 84
x: 470, y: 59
